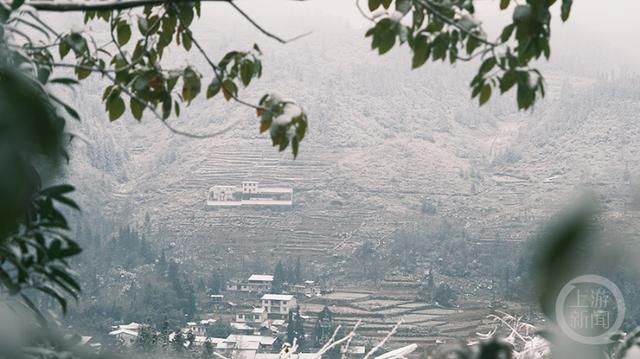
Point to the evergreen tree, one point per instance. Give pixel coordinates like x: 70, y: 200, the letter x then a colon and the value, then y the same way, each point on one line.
x: 172, y: 272
x: 323, y: 328
x: 178, y: 342
x: 161, y: 266
x: 444, y: 295
x: 295, y: 329
x: 318, y: 335
x: 163, y: 338
x: 146, y: 227
x: 191, y: 339
x: 146, y: 340
x: 326, y: 315
x: 207, y: 349
x: 277, y: 286
x: 188, y: 300
x: 219, y: 329
x: 297, y: 272
x: 216, y: 284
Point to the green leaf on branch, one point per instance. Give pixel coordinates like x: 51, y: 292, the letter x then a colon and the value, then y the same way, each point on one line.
x: 487, y: 65
x: 472, y: 44
x: 508, y: 80
x: 213, y: 88
x: 485, y: 94
x: 137, y: 108
x: 565, y: 9
x: 123, y: 31
x: 421, y: 51
x: 285, y: 120
x: 506, y: 32
x: 403, y: 6
x: 186, y: 41
x: 143, y: 25
x: 246, y: 72
x: 374, y: 4
x: 115, y: 106
x: 229, y: 89
x: 190, y: 84
x: 63, y: 49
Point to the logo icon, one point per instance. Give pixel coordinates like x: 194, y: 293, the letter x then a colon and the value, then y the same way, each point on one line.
x: 589, y: 309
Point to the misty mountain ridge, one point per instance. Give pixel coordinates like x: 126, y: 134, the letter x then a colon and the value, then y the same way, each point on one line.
x: 384, y: 143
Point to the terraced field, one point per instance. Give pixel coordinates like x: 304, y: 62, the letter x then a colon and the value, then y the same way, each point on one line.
x: 421, y: 323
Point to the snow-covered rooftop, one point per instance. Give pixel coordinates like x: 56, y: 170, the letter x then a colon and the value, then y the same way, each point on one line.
x: 250, y: 202
x: 261, y: 278
x: 240, y: 326
x: 275, y: 190
x: 130, y: 326
x: 124, y: 331
x: 277, y: 297
x: 293, y: 356
x: 262, y: 339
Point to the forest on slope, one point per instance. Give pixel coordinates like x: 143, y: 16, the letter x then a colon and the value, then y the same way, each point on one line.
x: 387, y: 148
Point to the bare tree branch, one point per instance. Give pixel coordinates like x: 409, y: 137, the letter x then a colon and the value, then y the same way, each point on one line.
x: 165, y: 123
x: 383, y: 341
x: 346, y: 346
x: 110, y: 5
x: 215, y: 68
x: 261, y: 29
x: 362, y: 12
x: 106, y: 5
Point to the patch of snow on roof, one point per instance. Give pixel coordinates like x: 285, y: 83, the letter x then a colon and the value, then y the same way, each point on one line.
x: 277, y: 297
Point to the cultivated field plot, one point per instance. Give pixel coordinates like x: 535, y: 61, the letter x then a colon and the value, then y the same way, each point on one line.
x: 375, y: 304
x: 412, y: 305
x: 417, y: 318
x: 422, y: 323
x: 345, y: 296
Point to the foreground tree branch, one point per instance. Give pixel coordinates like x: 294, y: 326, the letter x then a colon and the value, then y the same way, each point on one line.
x: 106, y: 5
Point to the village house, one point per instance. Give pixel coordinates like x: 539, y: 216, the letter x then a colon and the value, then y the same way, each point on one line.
x: 253, y: 316
x: 251, y: 195
x: 278, y: 305
x: 308, y: 289
x: 260, y: 283
x: 201, y: 340
x: 237, y: 286
x: 219, y: 304
x: 242, y: 328
x: 198, y: 328
x: 125, y: 337
x: 244, y: 346
x: 126, y: 334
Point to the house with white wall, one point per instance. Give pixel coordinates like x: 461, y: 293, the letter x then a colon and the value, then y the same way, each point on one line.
x: 278, y: 305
